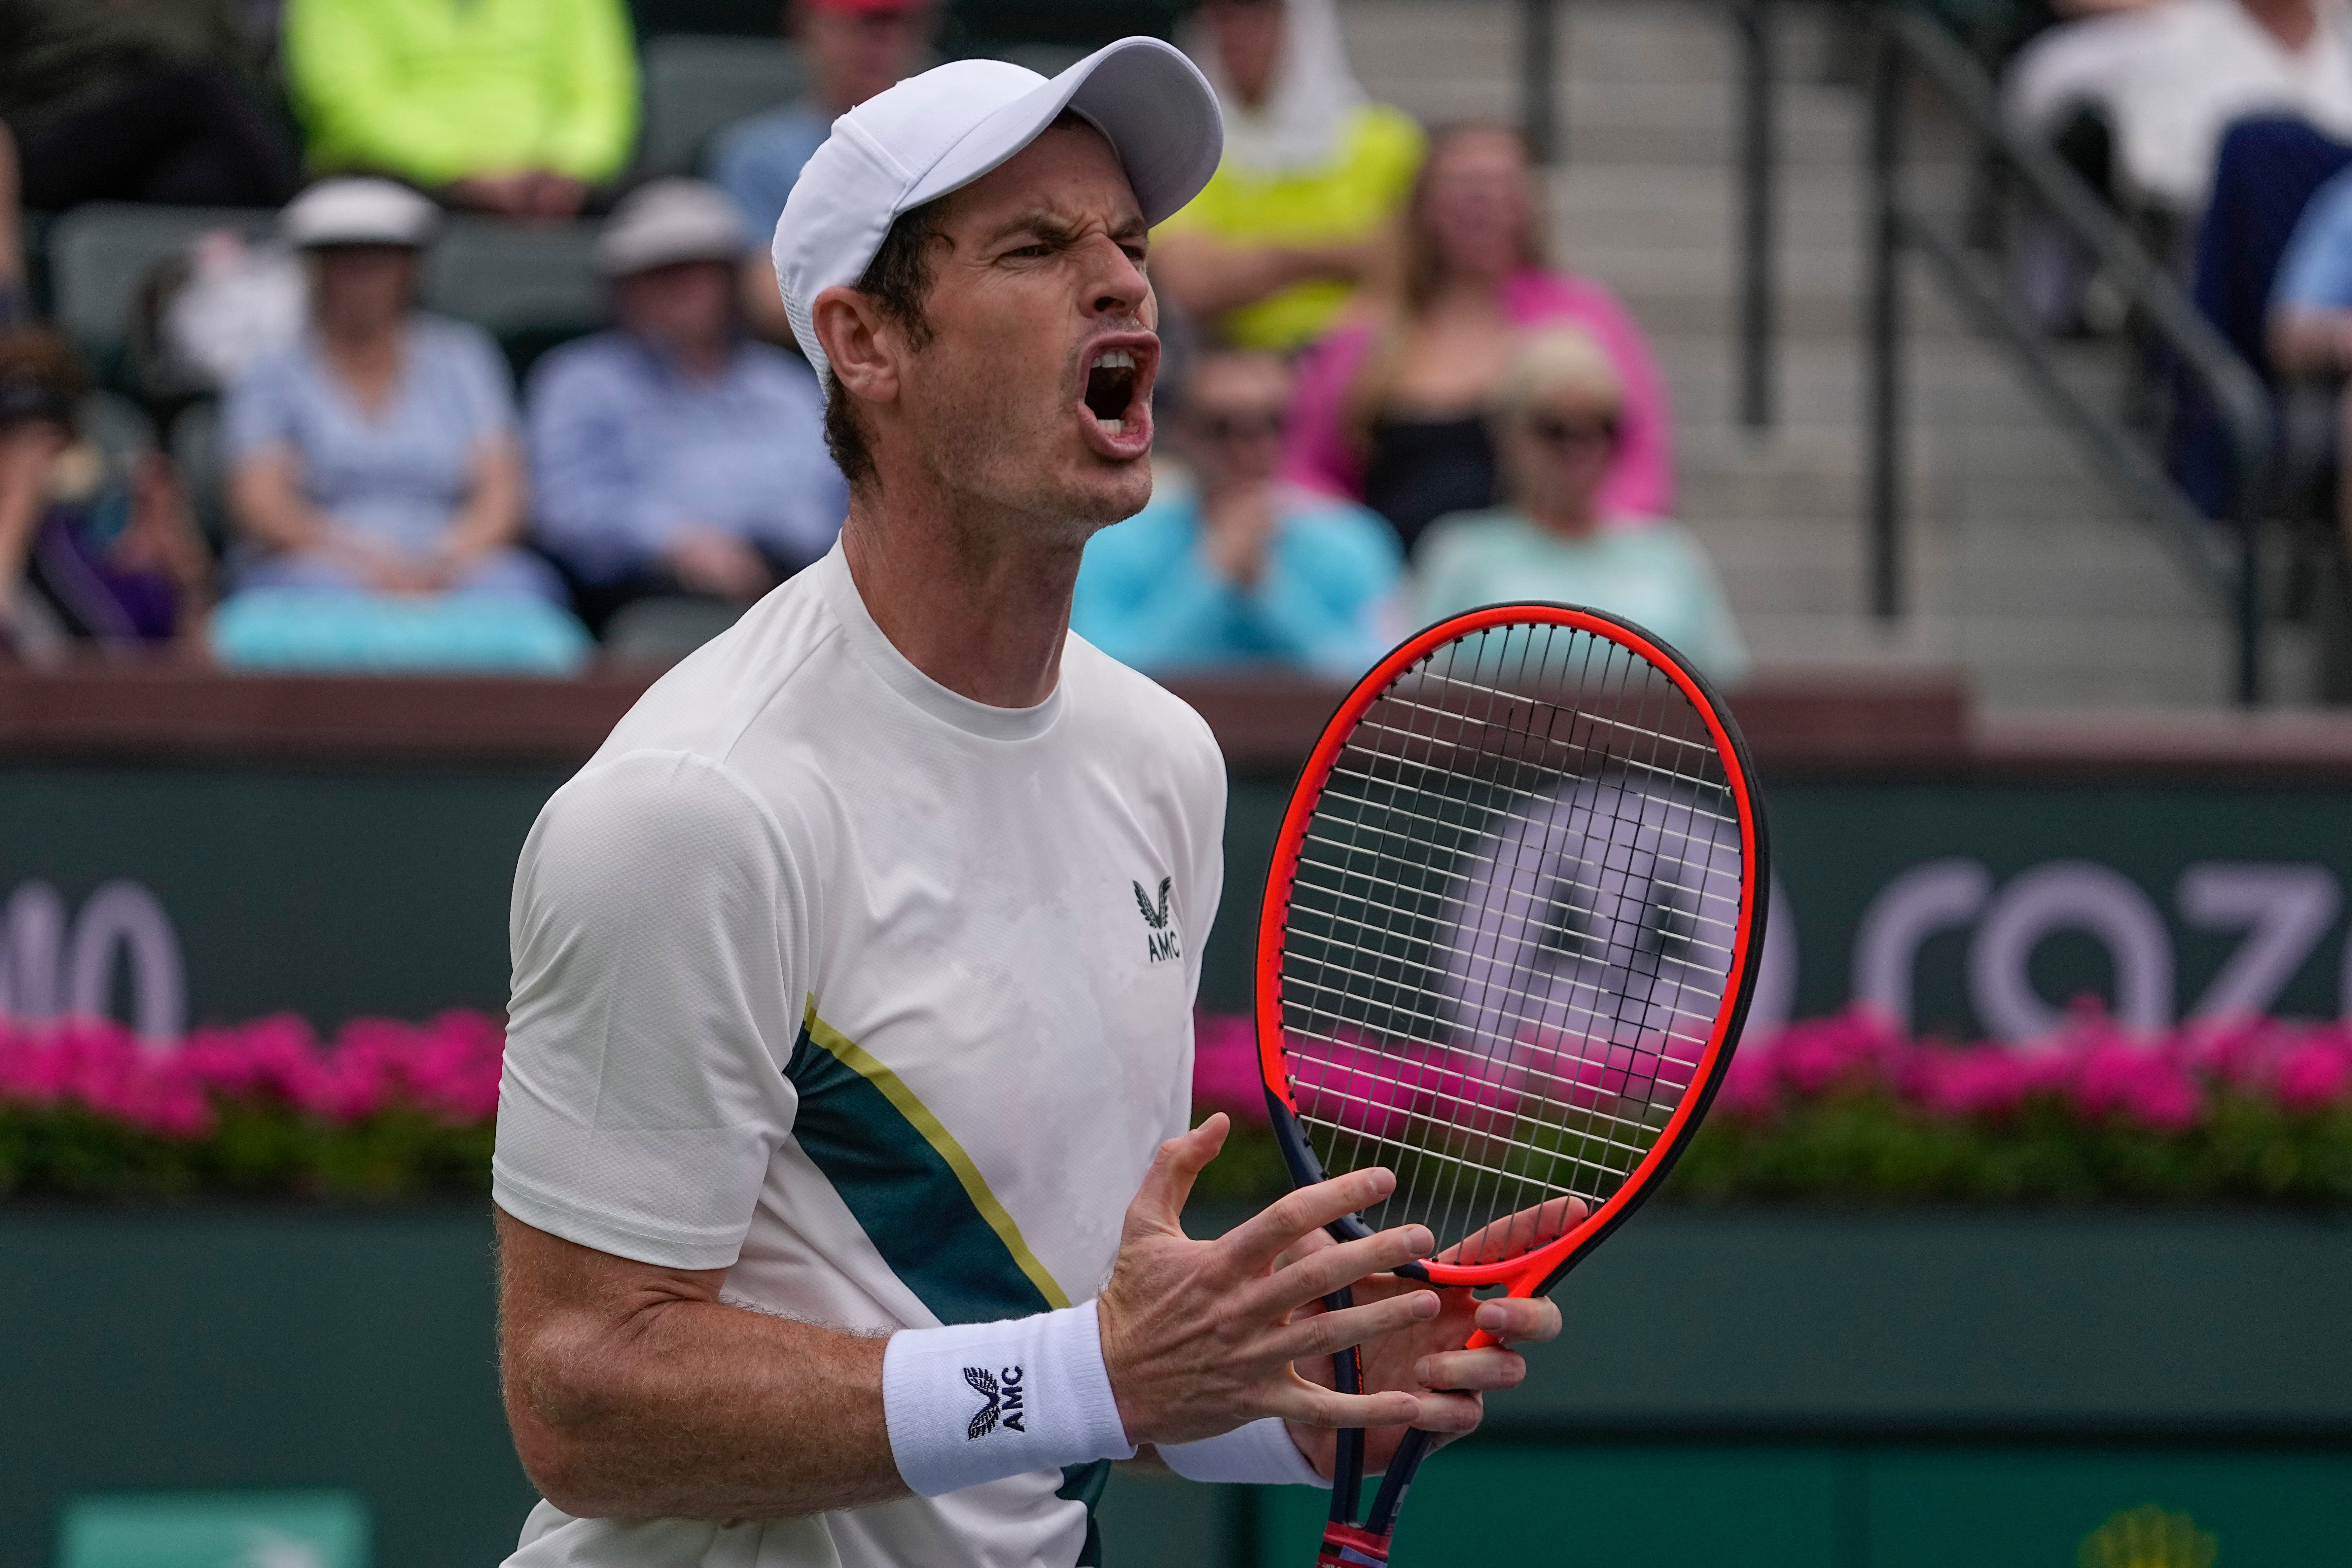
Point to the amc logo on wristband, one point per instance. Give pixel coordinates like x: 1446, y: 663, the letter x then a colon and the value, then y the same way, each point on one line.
x: 1003, y: 1401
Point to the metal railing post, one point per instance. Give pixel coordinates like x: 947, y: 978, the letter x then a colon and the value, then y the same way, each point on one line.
x: 1759, y: 106
x: 1882, y: 387
x: 2247, y: 513
x: 1539, y: 67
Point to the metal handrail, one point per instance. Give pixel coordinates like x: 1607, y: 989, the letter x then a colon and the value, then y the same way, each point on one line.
x: 1906, y: 41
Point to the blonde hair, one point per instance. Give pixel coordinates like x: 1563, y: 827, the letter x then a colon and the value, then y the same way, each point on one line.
x: 1561, y: 358
x: 1408, y: 269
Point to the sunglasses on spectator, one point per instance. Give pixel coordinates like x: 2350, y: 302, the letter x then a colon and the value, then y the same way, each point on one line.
x: 1240, y: 424
x: 1564, y: 433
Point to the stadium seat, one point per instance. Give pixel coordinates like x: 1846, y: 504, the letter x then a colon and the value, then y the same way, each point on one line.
x: 696, y: 85
x: 215, y: 1529
x: 504, y: 276
x: 748, y: 18
x: 120, y: 427
x: 99, y: 253
x: 653, y: 633
x: 1045, y: 59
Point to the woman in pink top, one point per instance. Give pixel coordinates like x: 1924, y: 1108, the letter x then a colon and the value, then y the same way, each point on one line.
x: 1391, y: 408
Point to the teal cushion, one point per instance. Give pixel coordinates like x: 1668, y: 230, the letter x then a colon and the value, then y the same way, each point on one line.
x: 338, y: 629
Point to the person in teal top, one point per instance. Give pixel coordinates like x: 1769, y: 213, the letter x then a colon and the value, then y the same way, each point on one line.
x: 1556, y: 432
x: 1243, y: 570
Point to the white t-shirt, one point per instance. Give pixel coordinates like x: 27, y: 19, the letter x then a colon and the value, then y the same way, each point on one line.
x: 2171, y: 76
x: 875, y: 996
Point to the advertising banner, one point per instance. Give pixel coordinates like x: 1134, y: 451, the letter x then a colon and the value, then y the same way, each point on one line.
x: 170, y: 897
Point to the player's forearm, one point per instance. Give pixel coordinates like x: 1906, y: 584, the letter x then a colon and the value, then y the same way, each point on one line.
x: 643, y: 1396
x: 2306, y: 342
x: 700, y: 1410
x: 1209, y: 277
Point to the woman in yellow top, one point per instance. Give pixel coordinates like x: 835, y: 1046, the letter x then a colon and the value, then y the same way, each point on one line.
x: 1269, y: 253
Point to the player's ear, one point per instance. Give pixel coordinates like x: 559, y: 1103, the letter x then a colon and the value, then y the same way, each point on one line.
x: 865, y: 354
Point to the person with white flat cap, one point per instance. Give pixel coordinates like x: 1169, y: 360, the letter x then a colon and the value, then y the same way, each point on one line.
x: 842, y: 1142
x: 674, y: 454
x: 377, y: 451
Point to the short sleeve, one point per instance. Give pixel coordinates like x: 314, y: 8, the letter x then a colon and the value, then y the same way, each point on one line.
x: 2316, y: 272
x: 661, y: 981
x: 257, y: 410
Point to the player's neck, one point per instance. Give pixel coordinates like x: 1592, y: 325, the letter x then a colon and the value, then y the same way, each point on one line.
x: 981, y: 610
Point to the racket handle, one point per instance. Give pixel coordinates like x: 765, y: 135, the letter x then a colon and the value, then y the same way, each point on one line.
x: 1403, y: 1465
x: 1351, y: 1546
x: 1347, y: 1454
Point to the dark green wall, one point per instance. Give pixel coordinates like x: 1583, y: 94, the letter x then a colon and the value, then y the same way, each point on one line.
x: 1763, y: 1387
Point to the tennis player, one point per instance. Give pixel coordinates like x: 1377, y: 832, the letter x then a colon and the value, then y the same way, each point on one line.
x: 853, y: 974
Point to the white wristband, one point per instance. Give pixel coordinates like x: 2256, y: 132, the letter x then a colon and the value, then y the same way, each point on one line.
x: 1260, y: 1454
x: 978, y: 1402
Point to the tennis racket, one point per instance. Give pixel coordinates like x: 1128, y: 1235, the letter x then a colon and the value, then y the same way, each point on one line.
x: 1507, y: 946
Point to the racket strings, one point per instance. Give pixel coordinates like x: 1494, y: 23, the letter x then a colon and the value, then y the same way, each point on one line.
x: 1510, y: 932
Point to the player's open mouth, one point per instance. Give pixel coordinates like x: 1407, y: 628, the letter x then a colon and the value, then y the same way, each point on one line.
x: 1111, y: 382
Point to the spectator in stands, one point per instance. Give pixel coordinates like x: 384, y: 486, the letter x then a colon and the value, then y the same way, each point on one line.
x: 516, y: 107
x: 2311, y: 302
x: 1394, y: 408
x: 2163, y: 81
x: 93, y: 546
x: 854, y: 49
x: 671, y: 455
x: 1245, y: 569
x: 15, y: 302
x: 1267, y: 256
x: 377, y: 456
x: 138, y: 101
x: 1557, y: 426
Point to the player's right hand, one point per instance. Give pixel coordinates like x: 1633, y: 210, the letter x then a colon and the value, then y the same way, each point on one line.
x: 1199, y: 1336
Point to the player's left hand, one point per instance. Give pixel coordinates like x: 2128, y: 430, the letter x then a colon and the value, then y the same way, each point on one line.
x: 1428, y: 1358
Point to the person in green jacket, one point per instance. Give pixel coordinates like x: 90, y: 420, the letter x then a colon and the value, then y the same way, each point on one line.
x: 516, y: 107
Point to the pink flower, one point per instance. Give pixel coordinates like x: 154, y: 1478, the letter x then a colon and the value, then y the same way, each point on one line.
x: 2149, y: 1085
x: 2315, y: 1075
x: 1974, y: 1081
x: 1226, y: 1075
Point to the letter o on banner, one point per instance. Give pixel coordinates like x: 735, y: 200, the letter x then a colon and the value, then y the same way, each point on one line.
x: 125, y: 915
x: 2069, y: 895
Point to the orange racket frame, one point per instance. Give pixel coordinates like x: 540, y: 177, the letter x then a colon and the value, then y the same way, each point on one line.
x: 1534, y: 1272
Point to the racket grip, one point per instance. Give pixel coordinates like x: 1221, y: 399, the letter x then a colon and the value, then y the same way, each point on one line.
x: 1351, y: 1546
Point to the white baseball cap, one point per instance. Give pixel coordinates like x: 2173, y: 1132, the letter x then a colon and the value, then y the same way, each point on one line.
x: 359, y: 210
x: 669, y: 220
x: 939, y: 131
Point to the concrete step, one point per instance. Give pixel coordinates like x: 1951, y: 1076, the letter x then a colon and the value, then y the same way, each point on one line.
x: 2020, y: 563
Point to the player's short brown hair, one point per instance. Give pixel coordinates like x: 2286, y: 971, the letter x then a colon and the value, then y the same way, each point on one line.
x: 898, y: 281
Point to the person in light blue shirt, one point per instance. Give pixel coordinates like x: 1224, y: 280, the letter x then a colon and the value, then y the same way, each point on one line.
x: 377, y: 451
x: 855, y: 48
x: 1556, y: 432
x: 672, y: 455
x: 2311, y: 299
x: 1243, y: 570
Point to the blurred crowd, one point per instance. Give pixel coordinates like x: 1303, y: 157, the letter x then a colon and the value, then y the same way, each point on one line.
x: 1384, y: 400
x: 2220, y: 132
